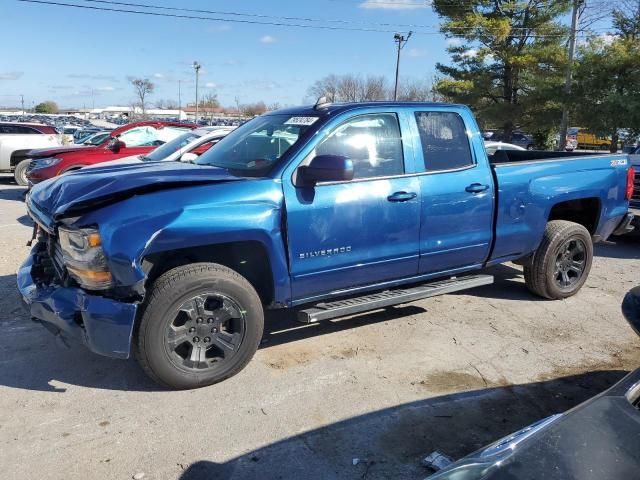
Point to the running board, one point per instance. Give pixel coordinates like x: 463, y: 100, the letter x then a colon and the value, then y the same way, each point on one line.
x: 387, y: 298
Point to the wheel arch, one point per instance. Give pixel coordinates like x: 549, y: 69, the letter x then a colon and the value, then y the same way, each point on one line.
x: 17, y: 156
x: 584, y: 211
x: 248, y: 258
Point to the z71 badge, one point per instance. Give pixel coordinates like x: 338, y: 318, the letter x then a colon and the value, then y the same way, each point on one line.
x: 325, y: 252
x: 619, y: 162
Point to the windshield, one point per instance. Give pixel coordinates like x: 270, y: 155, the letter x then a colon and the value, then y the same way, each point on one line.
x: 169, y: 148
x: 256, y: 146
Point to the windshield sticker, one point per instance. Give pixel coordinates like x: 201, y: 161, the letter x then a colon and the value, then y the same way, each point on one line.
x: 301, y: 121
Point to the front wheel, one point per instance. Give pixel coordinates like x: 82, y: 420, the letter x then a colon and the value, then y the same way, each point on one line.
x: 561, y: 264
x: 20, y: 173
x: 202, y: 324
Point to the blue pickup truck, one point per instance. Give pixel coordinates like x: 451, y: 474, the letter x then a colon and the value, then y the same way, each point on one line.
x: 330, y: 210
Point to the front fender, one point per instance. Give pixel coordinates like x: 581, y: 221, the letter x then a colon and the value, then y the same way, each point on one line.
x: 201, y: 216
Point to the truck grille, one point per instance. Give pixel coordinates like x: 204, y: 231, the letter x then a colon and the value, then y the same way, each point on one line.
x: 57, y: 257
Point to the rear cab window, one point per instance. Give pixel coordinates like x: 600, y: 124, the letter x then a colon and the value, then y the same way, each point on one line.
x: 444, y: 141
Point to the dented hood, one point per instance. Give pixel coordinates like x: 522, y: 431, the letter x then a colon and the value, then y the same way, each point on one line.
x: 77, y: 192
x: 52, y: 152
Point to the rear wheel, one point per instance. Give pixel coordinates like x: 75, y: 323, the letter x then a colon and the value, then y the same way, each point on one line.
x: 20, y: 173
x: 202, y: 324
x: 561, y: 264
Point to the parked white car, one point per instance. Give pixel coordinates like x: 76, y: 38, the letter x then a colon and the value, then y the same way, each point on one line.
x: 16, y: 139
x: 492, y: 147
x: 187, y: 147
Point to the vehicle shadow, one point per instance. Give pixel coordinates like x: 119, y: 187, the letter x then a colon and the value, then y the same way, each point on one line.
x: 624, y: 246
x: 508, y: 285
x: 33, y: 360
x: 25, y: 220
x: 390, y: 443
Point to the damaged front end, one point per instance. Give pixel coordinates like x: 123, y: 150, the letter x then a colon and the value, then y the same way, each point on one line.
x: 52, y: 297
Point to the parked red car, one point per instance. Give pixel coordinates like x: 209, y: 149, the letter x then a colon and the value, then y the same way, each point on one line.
x: 132, y: 139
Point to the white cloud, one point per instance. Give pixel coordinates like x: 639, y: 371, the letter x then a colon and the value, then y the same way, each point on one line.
x: 211, y: 85
x: 393, y: 4
x: 268, y: 39
x: 11, y: 75
x: 414, y: 52
x: 607, y: 38
x: 453, y: 42
x: 108, y: 88
x: 471, y: 53
x: 158, y: 75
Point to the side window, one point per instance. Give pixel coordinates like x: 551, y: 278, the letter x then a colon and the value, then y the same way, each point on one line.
x: 372, y: 142
x: 445, y: 145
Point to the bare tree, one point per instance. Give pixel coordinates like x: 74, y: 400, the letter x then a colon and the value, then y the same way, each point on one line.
x: 375, y: 88
x: 354, y: 88
x: 253, y: 109
x: 208, y: 103
x: 327, y: 86
x: 349, y: 88
x: 142, y: 87
x: 166, y: 104
x: 415, y: 91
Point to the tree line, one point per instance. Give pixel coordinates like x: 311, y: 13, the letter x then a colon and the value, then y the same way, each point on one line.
x: 510, y: 61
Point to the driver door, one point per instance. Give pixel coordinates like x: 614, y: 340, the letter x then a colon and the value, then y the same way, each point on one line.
x: 346, y: 235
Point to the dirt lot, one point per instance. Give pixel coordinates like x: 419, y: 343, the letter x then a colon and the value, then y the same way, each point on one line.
x: 385, y: 388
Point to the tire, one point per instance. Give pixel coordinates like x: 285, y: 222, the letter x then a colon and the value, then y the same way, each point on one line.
x: 210, y: 292
x: 20, y: 173
x: 560, y: 251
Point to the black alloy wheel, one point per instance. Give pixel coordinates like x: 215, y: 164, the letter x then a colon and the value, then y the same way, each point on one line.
x: 206, y: 331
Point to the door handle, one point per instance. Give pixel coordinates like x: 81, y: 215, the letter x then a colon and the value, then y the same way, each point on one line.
x: 477, y: 188
x: 402, y: 196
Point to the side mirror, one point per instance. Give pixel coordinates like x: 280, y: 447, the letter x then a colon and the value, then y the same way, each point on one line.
x: 116, y: 145
x: 188, y: 157
x: 326, y: 168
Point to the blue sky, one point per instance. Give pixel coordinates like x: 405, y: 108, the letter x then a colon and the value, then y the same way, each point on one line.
x: 63, y: 54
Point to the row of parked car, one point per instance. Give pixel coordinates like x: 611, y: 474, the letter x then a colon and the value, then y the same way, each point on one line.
x: 33, y: 152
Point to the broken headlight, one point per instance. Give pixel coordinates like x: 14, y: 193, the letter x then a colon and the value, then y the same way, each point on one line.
x: 84, y: 257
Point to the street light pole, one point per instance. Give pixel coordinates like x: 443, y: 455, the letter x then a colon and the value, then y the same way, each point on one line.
x: 196, y: 67
x: 401, y: 40
x: 179, y: 101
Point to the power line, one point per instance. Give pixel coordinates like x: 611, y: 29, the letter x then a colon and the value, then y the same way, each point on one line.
x: 277, y: 17
x: 257, y: 22
x: 256, y: 15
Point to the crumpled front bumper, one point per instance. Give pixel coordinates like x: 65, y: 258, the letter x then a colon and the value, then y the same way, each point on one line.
x: 104, y: 325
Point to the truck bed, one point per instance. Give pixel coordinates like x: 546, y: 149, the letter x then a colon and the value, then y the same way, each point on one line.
x: 533, y: 187
x: 513, y: 156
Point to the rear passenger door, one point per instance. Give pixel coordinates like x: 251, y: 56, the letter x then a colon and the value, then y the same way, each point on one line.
x: 456, y: 193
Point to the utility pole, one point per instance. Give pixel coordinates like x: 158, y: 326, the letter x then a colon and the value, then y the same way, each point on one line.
x: 564, y: 124
x: 401, y: 41
x: 196, y: 67
x: 179, y: 101
x: 22, y: 103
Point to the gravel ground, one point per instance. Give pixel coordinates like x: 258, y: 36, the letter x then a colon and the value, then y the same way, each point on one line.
x: 364, y: 397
